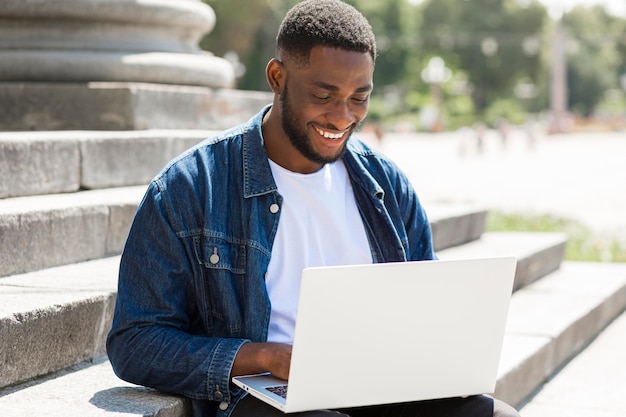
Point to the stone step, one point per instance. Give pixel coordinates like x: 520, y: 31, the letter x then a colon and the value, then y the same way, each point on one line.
x: 553, y: 319
x: 55, y: 318
x: 591, y: 385
x: 34, y: 163
x: 549, y: 322
x: 38, y: 232
x: 538, y: 254
x: 455, y: 224
x: 70, y: 305
x: 60, y: 229
x: 89, y: 390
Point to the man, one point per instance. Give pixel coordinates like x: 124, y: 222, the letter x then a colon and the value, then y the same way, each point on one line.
x: 209, y: 277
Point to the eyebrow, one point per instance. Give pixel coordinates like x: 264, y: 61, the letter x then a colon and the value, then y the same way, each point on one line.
x: 334, y: 88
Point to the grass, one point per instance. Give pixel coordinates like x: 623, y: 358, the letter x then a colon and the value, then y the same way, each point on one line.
x: 582, y: 244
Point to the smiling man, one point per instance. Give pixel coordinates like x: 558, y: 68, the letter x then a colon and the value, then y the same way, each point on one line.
x: 210, y: 274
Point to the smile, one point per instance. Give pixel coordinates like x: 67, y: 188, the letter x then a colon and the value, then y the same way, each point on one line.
x: 329, y: 135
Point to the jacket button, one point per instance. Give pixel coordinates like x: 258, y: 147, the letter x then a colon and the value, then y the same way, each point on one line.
x: 214, y: 258
x: 274, y: 208
x: 219, y: 395
x: 223, y: 405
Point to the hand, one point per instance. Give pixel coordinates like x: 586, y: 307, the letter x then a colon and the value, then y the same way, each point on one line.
x: 254, y: 358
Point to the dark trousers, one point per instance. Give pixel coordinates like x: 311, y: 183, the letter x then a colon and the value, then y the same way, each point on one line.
x: 474, y: 406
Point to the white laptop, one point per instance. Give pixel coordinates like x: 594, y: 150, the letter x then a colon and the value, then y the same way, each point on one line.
x: 394, y: 332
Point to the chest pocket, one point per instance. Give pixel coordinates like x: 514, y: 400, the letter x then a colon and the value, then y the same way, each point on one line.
x: 221, y: 291
x: 219, y: 254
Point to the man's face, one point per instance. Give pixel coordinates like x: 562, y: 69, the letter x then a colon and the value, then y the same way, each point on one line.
x: 323, y: 102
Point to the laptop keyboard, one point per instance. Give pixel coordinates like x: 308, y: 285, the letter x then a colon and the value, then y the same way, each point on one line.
x: 280, y: 390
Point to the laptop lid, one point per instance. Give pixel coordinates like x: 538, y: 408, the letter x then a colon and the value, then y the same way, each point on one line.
x: 397, y: 332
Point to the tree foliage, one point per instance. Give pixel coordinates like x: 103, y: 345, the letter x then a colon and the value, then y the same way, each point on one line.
x: 595, y: 54
x: 495, y: 41
x: 492, y: 46
x: 248, y: 28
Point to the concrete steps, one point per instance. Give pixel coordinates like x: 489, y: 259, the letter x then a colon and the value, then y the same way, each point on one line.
x: 55, y: 318
x: 538, y: 254
x: 66, y: 202
x: 37, y: 163
x: 48, y: 303
x: 550, y: 321
x: 591, y: 385
x: 58, y: 229
x: 454, y: 225
x: 88, y: 390
x: 553, y: 319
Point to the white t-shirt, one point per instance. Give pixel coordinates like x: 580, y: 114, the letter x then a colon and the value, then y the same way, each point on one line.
x: 319, y: 225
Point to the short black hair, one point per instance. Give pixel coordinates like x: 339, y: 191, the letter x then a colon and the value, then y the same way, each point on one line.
x: 330, y: 23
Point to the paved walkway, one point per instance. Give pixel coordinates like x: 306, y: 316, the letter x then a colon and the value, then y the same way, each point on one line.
x: 580, y: 176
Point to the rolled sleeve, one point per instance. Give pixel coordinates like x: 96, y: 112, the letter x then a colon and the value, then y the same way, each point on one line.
x: 222, y: 359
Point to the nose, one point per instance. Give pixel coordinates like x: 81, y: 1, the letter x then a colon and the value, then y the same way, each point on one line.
x: 341, y: 115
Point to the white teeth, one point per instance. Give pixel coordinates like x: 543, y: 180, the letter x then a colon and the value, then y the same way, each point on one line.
x: 328, y: 135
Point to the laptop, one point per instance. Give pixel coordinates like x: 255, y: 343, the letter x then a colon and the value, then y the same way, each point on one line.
x: 394, y: 332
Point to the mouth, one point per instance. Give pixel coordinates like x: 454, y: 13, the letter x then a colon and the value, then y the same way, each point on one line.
x: 330, y: 135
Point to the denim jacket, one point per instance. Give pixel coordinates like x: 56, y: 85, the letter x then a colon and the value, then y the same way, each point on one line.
x: 191, y: 282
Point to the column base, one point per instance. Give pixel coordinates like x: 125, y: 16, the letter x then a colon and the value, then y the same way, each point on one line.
x: 124, y: 106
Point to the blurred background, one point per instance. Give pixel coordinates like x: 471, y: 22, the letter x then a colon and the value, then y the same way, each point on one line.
x: 446, y: 64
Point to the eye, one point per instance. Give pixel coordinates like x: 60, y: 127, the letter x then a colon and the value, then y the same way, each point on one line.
x: 320, y: 97
x: 360, y: 99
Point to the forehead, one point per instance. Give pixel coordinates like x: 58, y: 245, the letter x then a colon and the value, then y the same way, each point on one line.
x: 336, y: 66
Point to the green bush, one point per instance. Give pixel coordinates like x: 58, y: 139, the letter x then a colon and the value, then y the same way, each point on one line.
x: 582, y: 244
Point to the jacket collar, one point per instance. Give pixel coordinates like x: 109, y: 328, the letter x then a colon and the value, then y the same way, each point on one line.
x: 257, y: 175
x: 355, y: 160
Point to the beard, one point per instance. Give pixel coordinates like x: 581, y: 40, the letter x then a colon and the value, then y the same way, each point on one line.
x: 298, y: 136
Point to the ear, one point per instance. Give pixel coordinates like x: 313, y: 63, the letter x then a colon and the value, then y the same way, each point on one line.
x: 275, y: 73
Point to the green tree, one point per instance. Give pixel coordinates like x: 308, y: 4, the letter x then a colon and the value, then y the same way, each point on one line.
x: 595, y: 56
x: 237, y: 23
x: 247, y: 28
x: 394, y: 22
x: 496, y: 42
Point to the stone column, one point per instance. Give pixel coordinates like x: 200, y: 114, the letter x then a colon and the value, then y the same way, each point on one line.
x: 109, y: 64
